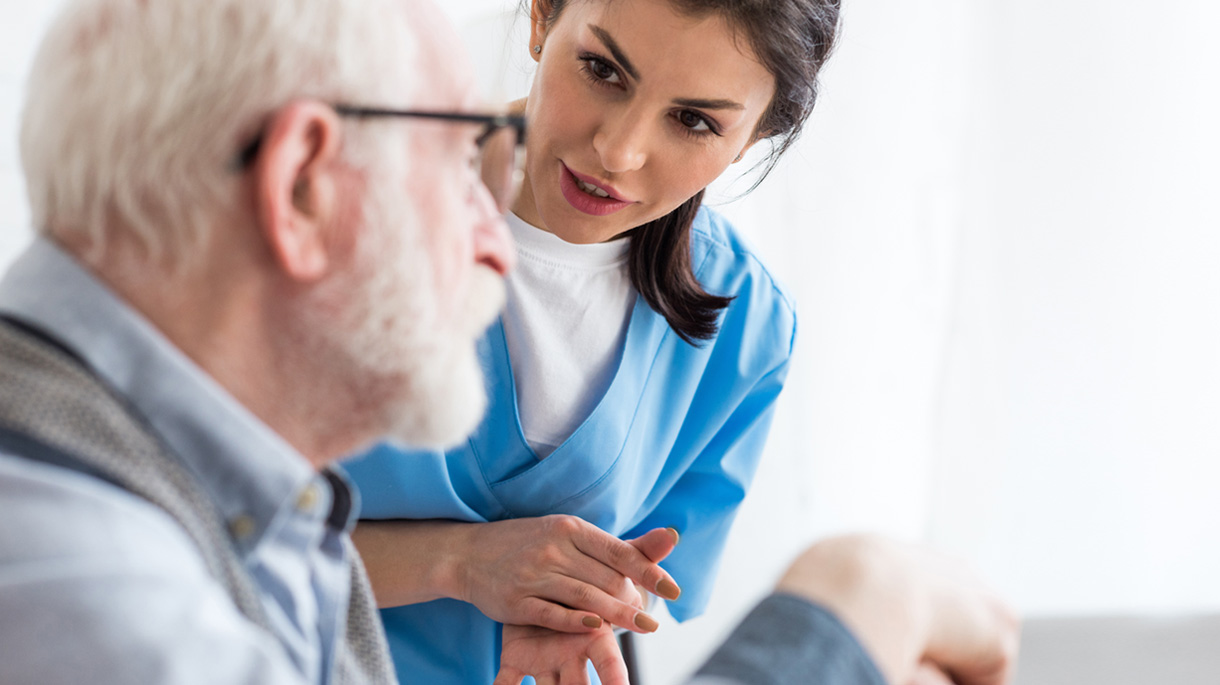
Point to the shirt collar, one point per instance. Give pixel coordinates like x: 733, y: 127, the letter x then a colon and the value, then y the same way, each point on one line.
x: 254, y: 476
x: 539, y: 245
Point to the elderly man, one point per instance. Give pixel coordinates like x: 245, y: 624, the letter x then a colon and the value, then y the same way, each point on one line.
x: 237, y: 280
x: 263, y: 243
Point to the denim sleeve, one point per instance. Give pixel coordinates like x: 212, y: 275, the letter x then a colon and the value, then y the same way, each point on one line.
x: 786, y: 640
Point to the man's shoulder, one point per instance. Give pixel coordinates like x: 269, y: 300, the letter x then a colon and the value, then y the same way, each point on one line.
x: 56, y: 513
x: 98, y: 585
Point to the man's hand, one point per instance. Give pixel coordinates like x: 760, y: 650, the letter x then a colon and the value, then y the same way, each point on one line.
x: 927, y: 674
x: 919, y: 615
x: 562, y: 573
x: 555, y: 658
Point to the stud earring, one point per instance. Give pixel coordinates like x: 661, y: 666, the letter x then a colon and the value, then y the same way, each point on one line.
x: 537, y: 49
x: 738, y: 158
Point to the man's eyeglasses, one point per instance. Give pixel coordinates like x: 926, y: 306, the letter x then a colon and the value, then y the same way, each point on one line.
x: 501, y: 143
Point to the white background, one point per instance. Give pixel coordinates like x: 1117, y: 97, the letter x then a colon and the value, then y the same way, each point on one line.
x: 1003, y: 233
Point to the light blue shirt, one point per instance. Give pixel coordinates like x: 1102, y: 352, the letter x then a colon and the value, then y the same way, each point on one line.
x: 100, y: 586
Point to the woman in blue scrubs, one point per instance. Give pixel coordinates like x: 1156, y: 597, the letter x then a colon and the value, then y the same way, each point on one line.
x: 632, y: 378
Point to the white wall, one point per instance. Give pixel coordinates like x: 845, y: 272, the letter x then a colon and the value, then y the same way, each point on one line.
x: 1098, y: 212
x: 1002, y: 231
x: 20, y: 26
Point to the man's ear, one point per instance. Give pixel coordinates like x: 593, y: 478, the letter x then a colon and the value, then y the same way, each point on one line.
x: 296, y: 187
x: 540, y: 14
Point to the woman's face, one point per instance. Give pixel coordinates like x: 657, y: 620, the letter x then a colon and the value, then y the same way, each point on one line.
x: 646, y: 104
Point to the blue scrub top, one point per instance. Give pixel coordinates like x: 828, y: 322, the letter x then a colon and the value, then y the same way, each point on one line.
x: 673, y: 443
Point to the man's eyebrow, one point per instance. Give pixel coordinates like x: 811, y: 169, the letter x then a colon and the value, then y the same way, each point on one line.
x: 615, y: 50
x: 709, y: 104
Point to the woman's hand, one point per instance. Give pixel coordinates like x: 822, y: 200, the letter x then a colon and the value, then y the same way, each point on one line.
x: 557, y: 572
x: 562, y: 573
x: 555, y: 658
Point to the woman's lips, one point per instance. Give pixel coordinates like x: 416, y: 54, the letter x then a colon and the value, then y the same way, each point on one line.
x: 584, y: 202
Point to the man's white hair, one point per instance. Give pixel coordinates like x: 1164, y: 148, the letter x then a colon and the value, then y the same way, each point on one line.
x: 136, y: 109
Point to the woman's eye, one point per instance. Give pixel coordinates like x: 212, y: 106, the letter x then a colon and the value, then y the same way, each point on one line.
x: 693, y: 121
x: 601, y: 71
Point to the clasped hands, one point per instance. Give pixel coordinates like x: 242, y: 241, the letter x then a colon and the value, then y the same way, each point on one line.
x: 923, y: 617
x: 559, y: 584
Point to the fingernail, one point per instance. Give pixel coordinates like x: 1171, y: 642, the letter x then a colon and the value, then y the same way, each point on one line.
x: 592, y: 621
x: 646, y: 623
x: 668, y: 589
x: 674, y: 531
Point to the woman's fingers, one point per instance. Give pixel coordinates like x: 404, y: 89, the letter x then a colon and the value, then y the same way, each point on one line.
x: 561, y: 572
x: 626, y: 559
x: 656, y: 544
x: 604, y: 578
x: 570, y: 593
x: 547, y: 614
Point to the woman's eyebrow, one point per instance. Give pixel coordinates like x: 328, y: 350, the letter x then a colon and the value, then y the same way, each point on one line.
x: 619, y: 56
x: 709, y: 104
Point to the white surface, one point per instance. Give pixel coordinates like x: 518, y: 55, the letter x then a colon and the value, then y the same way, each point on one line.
x: 21, y: 24
x: 1002, y: 233
x: 1120, y: 650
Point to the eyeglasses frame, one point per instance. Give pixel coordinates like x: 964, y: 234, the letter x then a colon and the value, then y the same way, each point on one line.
x: 491, y: 122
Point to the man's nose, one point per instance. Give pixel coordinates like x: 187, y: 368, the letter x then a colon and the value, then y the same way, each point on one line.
x: 493, y: 244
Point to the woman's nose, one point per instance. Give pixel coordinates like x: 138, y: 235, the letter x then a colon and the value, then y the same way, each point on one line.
x: 621, y: 142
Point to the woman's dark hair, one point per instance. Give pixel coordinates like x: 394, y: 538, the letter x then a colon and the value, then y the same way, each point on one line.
x: 792, y: 39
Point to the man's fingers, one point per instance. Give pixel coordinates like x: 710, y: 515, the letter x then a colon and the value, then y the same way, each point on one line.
x: 575, y: 673
x: 978, y: 634
x: 608, y: 661
x: 927, y: 674
x: 509, y: 676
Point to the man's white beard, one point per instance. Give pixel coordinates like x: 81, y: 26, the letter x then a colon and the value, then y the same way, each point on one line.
x: 444, y: 399
x: 409, y: 364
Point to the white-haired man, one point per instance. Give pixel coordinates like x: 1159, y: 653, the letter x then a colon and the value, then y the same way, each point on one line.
x: 239, y: 277
x: 264, y: 243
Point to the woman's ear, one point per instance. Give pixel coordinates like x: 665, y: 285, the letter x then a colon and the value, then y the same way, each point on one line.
x: 742, y: 153
x: 296, y: 182
x: 759, y: 134
x: 540, y: 14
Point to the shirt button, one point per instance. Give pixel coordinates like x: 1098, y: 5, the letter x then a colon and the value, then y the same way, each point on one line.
x: 242, y: 527
x: 308, y: 498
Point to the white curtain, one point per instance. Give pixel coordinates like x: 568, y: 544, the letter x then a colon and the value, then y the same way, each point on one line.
x: 1002, y: 231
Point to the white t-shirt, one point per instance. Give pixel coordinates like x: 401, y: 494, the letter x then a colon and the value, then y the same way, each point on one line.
x: 565, y: 323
